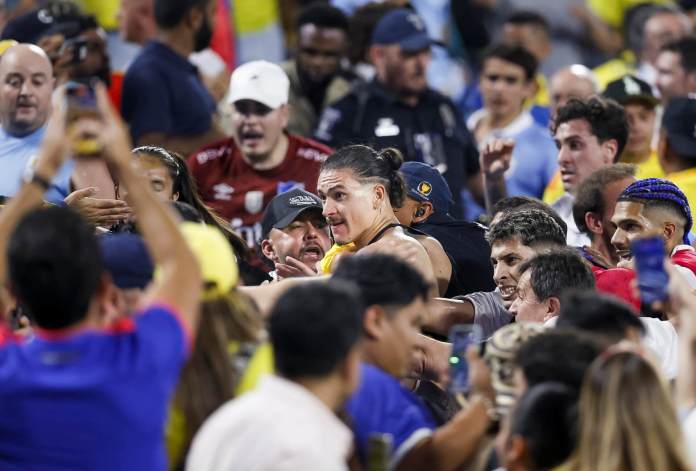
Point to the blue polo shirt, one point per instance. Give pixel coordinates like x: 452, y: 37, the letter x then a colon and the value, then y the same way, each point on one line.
x: 90, y: 400
x: 381, y: 405
x: 17, y: 154
x: 163, y: 93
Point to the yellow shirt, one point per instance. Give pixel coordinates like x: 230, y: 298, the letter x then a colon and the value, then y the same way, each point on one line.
x: 260, y: 365
x: 326, y: 263
x: 554, y: 189
x: 651, y: 168
x: 614, y: 69
x: 613, y: 12
x: 686, y: 181
x: 104, y: 10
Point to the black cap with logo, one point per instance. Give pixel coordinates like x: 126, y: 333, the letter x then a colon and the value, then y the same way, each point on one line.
x: 286, y: 207
x: 630, y: 89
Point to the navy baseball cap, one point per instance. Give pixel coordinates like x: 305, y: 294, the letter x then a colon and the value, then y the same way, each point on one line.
x: 286, y: 207
x: 425, y: 184
x: 405, y: 28
x: 127, y: 260
x: 679, y: 123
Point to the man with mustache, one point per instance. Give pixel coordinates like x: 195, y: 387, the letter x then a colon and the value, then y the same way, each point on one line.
x: 164, y: 99
x: 295, y: 234
x: 239, y: 176
x: 398, y: 110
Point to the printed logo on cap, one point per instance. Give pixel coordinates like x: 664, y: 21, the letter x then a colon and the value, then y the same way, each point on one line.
x: 424, y: 188
x: 631, y: 86
x: 301, y: 200
x: 416, y: 22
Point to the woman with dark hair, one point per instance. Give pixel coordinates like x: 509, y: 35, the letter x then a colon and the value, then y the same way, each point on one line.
x: 360, y: 189
x: 171, y: 180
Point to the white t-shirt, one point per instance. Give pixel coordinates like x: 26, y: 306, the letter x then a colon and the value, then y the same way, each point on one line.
x: 279, y: 426
x: 660, y: 337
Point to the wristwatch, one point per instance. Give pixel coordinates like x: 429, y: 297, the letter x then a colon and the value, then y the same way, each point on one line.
x: 31, y: 177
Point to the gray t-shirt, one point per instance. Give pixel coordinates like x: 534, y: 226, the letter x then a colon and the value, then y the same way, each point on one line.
x: 489, y: 312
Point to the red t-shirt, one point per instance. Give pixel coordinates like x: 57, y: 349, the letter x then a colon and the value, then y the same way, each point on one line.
x: 685, y: 256
x: 239, y: 193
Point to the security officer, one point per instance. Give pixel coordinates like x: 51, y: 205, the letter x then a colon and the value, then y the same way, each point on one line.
x: 398, y: 109
x: 426, y: 208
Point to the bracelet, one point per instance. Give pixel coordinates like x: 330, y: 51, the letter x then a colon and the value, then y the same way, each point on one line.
x: 36, y: 179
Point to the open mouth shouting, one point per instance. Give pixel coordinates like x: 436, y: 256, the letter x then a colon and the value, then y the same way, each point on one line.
x: 311, y: 253
x: 508, y: 292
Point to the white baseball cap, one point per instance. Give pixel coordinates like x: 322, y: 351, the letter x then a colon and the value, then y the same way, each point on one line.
x: 260, y: 81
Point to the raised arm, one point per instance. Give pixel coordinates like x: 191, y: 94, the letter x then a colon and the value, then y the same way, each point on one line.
x: 179, y: 283
x: 51, y: 156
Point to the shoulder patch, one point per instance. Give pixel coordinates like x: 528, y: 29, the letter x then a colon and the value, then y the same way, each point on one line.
x: 328, y: 120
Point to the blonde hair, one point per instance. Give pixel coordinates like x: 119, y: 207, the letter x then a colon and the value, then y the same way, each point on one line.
x: 627, y: 420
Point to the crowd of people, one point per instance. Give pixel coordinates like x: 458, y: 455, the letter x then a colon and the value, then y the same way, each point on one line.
x: 440, y: 235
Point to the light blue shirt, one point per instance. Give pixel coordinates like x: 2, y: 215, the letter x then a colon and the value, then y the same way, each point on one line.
x: 534, y: 159
x: 17, y: 154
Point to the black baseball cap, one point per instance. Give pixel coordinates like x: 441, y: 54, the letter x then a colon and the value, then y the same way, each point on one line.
x: 405, y: 28
x: 286, y: 207
x: 679, y: 123
x: 630, y: 88
x: 57, y: 17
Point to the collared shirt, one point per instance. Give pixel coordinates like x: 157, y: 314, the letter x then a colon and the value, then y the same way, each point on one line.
x: 163, y: 93
x: 430, y: 132
x: 564, y: 207
x: 279, y: 426
x: 91, y: 399
x: 18, y: 155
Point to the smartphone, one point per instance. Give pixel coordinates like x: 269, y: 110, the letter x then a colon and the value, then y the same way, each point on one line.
x: 649, y: 259
x: 461, y: 337
x: 81, y: 102
x: 77, y: 48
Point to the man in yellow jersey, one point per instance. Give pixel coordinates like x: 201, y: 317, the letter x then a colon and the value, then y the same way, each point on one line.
x: 639, y: 103
x: 677, y: 147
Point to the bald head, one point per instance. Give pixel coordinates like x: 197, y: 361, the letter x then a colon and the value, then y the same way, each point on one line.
x: 26, y: 84
x: 576, y: 81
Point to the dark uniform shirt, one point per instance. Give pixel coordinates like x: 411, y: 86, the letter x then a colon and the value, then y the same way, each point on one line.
x: 163, y: 93
x: 431, y: 132
x: 466, y: 245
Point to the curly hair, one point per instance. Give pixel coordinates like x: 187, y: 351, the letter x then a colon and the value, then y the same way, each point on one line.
x: 606, y: 118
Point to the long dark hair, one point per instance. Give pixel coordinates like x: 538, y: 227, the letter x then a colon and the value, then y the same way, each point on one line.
x: 185, y: 186
x: 209, y: 377
x: 368, y: 164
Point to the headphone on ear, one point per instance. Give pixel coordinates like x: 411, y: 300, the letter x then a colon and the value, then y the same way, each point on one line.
x: 420, y: 212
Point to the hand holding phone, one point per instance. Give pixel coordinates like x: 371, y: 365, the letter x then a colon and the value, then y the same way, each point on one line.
x: 461, y: 337
x: 81, y: 102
